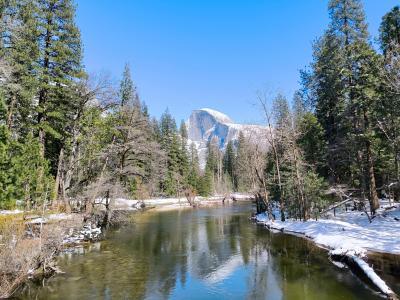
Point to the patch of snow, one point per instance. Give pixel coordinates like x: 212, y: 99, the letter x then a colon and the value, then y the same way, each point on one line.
x: 350, y: 234
x: 347, y: 231
x: 338, y: 264
x: 372, y: 275
x: 205, y: 124
x: 61, y: 216
x: 241, y: 196
x: 219, y: 116
x: 38, y: 221
x: 87, y: 233
x: 53, y: 217
x: 10, y: 212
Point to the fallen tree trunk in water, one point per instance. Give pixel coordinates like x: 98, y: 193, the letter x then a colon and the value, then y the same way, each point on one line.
x: 360, y: 268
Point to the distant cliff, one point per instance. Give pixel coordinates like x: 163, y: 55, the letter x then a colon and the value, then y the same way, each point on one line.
x: 206, y: 123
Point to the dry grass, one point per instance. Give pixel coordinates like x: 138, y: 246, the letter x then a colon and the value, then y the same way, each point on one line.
x: 27, y: 249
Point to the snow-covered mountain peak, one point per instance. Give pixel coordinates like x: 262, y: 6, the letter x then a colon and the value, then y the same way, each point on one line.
x: 219, y: 116
x: 206, y: 123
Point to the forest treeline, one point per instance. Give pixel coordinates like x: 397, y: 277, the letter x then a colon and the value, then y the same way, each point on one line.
x: 68, y: 138
x: 65, y: 135
x: 341, y: 129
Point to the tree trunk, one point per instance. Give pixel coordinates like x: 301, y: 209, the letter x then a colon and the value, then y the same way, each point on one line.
x: 43, y: 91
x: 278, y: 173
x: 90, y: 205
x: 266, y: 195
x: 373, y: 196
x: 363, y: 174
x: 266, y: 200
x: 304, y: 208
x: 57, y: 181
x: 72, y: 158
x: 396, y: 192
x: 11, y: 111
x: 271, y: 140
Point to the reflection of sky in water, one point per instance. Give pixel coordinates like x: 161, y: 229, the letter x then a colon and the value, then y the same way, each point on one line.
x: 200, y: 254
x: 234, y: 283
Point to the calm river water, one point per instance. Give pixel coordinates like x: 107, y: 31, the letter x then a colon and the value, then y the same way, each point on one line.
x: 207, y: 253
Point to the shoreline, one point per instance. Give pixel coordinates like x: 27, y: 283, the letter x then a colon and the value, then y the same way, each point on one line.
x: 44, y: 235
x: 347, y: 239
x: 357, y: 264
x: 177, y: 203
x: 86, y: 233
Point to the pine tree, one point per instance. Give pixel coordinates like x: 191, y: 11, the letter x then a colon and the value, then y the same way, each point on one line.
x: 389, y: 107
x: 59, y: 66
x: 347, y: 20
x: 229, y: 163
x: 171, y: 145
x: 312, y: 142
x: 134, y: 142
x: 205, y: 186
x: 20, y: 51
x: 331, y: 86
x: 281, y: 111
x: 20, y: 167
x: 242, y: 166
x: 183, y: 155
x: 389, y: 30
x: 365, y: 94
x: 194, y: 168
x: 214, y: 163
x: 298, y: 108
x: 127, y: 90
x: 325, y: 87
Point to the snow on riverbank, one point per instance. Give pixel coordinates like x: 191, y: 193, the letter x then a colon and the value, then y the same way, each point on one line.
x: 129, y: 204
x: 350, y: 235
x: 348, y: 230
x: 11, y: 212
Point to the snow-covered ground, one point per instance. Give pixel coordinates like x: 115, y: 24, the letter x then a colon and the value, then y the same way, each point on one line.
x: 350, y: 234
x: 130, y: 204
x: 51, y: 217
x: 348, y: 231
x: 11, y: 212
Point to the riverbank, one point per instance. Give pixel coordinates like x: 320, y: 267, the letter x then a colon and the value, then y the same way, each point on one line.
x: 202, y: 253
x: 30, y: 241
x: 182, y: 202
x: 350, y: 235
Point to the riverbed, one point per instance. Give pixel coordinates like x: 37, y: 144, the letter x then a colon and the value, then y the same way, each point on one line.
x: 204, y: 253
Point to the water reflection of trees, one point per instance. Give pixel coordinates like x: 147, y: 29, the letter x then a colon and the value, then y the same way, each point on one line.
x: 161, y: 252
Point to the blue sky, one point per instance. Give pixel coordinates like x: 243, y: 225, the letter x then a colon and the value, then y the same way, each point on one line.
x: 207, y: 53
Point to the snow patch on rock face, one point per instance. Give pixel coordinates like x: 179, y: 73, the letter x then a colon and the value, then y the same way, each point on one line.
x: 219, y: 116
x: 206, y: 123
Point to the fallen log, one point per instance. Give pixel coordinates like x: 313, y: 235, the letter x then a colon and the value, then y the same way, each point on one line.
x: 335, y: 205
x: 361, y: 268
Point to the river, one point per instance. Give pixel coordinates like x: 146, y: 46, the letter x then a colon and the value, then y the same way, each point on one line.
x: 206, y: 253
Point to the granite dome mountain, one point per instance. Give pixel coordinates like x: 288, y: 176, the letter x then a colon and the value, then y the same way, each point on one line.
x: 204, y: 124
